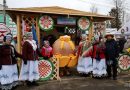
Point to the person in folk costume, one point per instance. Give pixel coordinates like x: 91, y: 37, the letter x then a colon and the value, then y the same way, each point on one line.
x: 23, y: 39
x: 8, y: 64
x: 84, y: 66
x: 29, y: 69
x: 46, y: 50
x: 97, y: 52
x: 111, y: 53
x: 127, y: 45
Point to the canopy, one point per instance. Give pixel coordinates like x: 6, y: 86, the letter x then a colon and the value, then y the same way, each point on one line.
x: 125, y: 29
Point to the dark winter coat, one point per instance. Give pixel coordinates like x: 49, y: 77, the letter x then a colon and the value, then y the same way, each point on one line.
x: 122, y: 41
x: 8, y: 55
x: 28, y: 53
x: 112, y: 50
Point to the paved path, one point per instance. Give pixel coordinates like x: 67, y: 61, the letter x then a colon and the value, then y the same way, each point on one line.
x: 81, y: 83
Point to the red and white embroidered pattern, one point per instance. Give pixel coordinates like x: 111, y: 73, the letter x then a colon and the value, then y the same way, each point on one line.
x: 83, y: 23
x: 45, y: 68
x: 46, y: 22
x: 124, y: 62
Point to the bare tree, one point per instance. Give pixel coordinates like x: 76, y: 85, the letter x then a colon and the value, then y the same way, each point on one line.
x: 93, y: 9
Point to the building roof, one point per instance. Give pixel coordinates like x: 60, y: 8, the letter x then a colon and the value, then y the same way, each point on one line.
x: 57, y: 10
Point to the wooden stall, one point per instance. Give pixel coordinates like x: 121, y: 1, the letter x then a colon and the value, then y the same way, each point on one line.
x: 31, y: 16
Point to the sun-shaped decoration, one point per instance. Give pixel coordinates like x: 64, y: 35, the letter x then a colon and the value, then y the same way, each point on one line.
x: 46, y: 23
x: 84, y: 23
x: 124, y: 62
x: 45, y: 69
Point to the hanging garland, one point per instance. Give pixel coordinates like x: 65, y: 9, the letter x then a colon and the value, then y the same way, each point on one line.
x: 46, y: 23
x: 84, y: 23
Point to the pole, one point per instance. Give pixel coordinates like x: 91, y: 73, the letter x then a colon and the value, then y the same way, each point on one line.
x: 4, y: 12
x: 91, y: 29
x: 38, y: 31
x: 19, y: 33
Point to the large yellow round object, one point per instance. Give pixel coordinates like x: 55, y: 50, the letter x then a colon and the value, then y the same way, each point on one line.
x: 63, y: 46
x: 63, y: 61
x: 66, y: 61
x: 73, y: 61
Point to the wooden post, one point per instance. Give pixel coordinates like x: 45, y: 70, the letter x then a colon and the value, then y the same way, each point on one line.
x: 38, y: 30
x: 91, y: 29
x: 19, y: 33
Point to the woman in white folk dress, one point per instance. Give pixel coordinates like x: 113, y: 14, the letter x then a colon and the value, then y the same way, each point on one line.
x: 98, y: 55
x: 84, y: 66
x: 97, y: 52
x: 8, y: 64
x: 29, y: 70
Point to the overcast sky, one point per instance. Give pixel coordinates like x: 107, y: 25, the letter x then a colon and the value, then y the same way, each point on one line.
x: 103, y: 6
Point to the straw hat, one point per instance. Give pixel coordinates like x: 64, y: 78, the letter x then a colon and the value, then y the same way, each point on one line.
x: 109, y: 35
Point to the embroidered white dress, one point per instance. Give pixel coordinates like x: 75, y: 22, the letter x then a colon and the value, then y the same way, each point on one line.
x: 99, y: 68
x: 30, y: 70
x: 84, y: 63
x: 8, y: 76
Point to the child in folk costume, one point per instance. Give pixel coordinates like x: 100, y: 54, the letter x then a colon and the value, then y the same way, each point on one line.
x: 84, y: 62
x: 46, y: 50
x: 8, y: 64
x: 97, y: 51
x: 29, y: 69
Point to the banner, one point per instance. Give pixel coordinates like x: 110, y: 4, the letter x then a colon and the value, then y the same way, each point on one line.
x: 34, y: 34
x: 66, y: 21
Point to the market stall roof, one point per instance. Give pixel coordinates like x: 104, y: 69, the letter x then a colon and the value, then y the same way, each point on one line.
x: 59, y: 11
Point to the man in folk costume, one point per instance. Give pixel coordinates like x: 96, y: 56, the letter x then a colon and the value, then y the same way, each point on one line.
x: 97, y: 52
x: 84, y: 63
x: 29, y: 69
x: 8, y: 64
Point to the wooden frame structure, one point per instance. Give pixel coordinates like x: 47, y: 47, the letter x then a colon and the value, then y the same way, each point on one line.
x: 17, y: 14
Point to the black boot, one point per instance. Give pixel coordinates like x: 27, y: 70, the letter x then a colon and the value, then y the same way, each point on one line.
x: 34, y: 83
x: 114, y: 78
x: 29, y: 83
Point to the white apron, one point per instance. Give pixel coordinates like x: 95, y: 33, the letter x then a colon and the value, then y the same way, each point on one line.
x: 8, y: 76
x: 30, y: 71
x: 84, y: 65
x: 99, y: 68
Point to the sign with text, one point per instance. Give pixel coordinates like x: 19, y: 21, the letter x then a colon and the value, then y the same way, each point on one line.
x: 66, y: 21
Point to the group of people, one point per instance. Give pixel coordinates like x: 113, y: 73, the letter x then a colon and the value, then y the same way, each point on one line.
x: 9, y: 75
x: 98, y: 57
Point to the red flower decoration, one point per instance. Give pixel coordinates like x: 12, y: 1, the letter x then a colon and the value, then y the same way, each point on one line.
x: 124, y: 62
x: 83, y: 23
x: 46, y: 22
